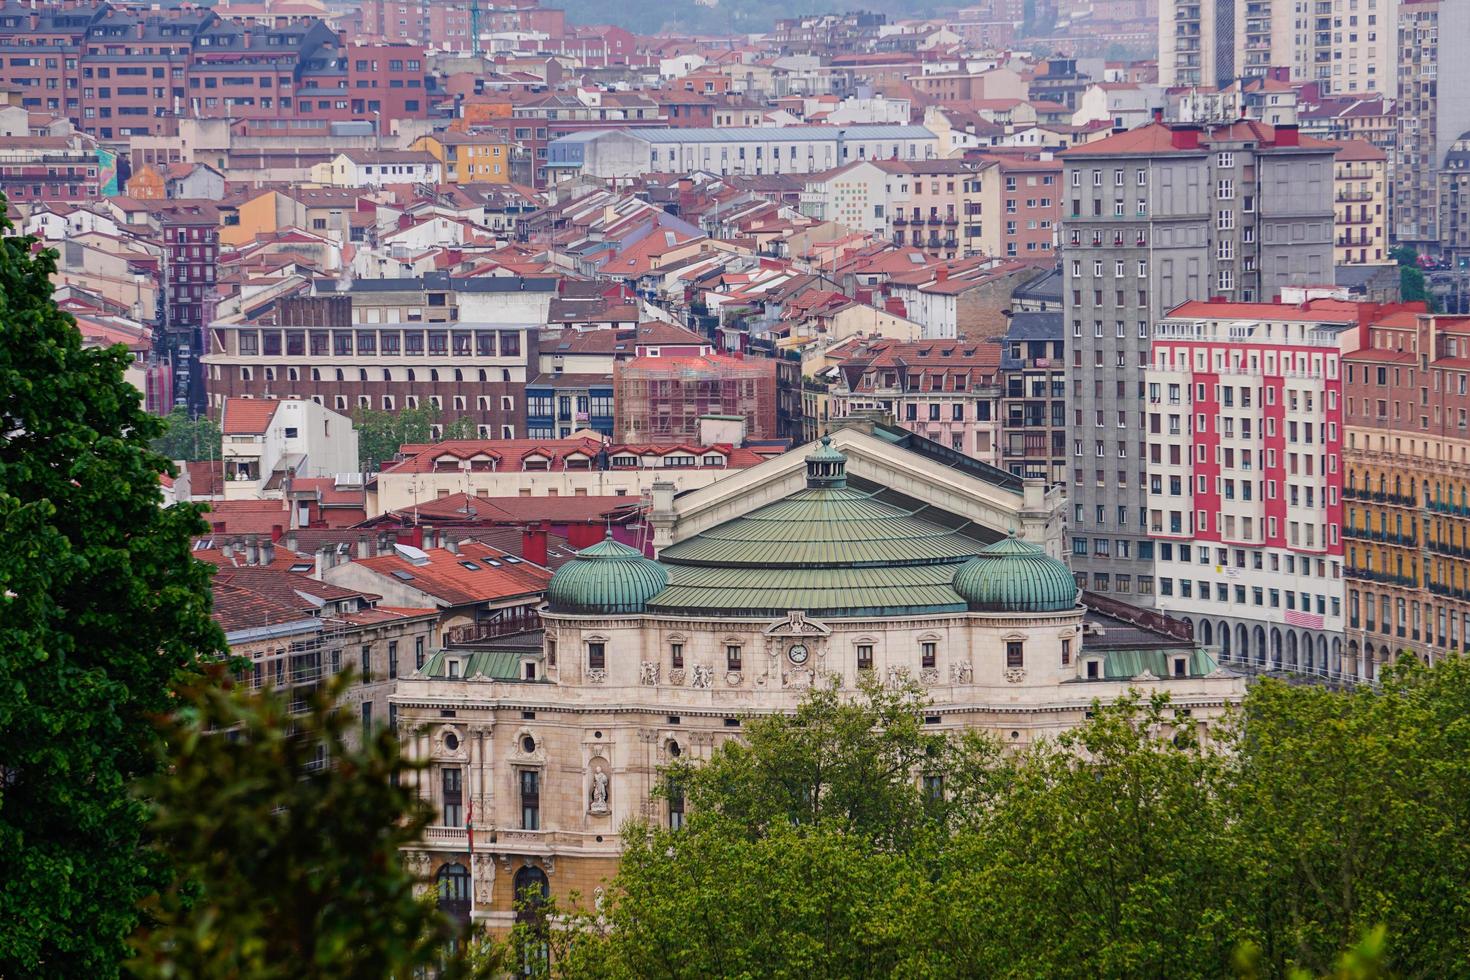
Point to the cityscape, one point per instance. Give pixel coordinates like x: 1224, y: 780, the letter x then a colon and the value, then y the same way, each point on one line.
x: 548, y: 430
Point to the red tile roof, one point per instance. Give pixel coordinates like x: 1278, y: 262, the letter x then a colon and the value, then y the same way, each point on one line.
x: 247, y: 416
x: 447, y: 577
x: 510, y: 454
x: 1324, y: 310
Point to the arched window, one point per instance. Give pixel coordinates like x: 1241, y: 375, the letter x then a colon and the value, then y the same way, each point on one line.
x: 454, y: 890
x: 533, y: 879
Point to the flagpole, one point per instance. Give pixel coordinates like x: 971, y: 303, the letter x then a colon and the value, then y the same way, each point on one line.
x: 470, y: 832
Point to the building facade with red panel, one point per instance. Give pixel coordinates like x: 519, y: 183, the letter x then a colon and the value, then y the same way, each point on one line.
x: 1244, y: 438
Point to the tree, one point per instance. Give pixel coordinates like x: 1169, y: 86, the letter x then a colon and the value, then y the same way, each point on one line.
x: 102, y: 608
x: 1412, y: 285
x: 188, y: 438
x: 1350, y: 812
x: 1104, y: 849
x: 287, y: 842
x: 380, y: 434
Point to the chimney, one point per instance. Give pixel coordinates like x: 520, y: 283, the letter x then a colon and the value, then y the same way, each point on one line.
x: 268, y: 553
x: 895, y: 306
x: 362, y: 547
x: 533, y: 543
x: 1288, y: 135
x: 941, y: 274
x: 431, y: 537
x: 276, y: 533
x: 321, y: 563
x: 252, y: 550
x: 1185, y: 137
x: 451, y: 546
x: 1158, y: 114
x: 415, y: 537
x: 288, y: 540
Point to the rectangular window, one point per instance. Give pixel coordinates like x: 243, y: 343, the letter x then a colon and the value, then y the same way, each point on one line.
x: 676, y: 655
x: 597, y: 656
x: 367, y: 664
x: 392, y: 659
x: 732, y: 657
x: 864, y: 656
x: 929, y: 656
x: 453, y: 797
x: 531, y: 799
x: 418, y: 653
x: 367, y: 720
x: 1066, y: 653
x: 1015, y: 655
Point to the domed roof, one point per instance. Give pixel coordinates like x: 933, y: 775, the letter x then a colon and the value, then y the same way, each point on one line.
x: 828, y: 549
x: 1014, y: 576
x: 607, y: 577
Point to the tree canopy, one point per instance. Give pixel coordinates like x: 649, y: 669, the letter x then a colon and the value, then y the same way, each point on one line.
x: 287, y: 840
x: 102, y: 609
x: 1314, y: 833
x: 379, y: 434
x: 191, y: 439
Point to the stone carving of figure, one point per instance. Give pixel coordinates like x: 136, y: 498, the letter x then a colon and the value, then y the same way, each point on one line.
x: 484, y: 879
x: 960, y: 672
x: 599, y: 791
x: 648, y: 672
x: 703, y: 675
x: 895, y: 676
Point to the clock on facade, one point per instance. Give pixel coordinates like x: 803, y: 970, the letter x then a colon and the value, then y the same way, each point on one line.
x: 797, y: 653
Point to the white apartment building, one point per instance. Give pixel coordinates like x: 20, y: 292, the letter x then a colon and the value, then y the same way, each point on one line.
x: 1244, y: 442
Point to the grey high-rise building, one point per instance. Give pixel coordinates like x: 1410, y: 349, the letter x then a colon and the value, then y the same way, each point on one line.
x: 1429, y: 177
x: 1154, y: 217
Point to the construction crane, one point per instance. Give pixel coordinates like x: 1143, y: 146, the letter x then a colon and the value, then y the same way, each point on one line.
x: 475, y: 27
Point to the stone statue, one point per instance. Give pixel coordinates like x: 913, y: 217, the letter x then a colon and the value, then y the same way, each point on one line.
x: 599, y: 791
x: 484, y: 879
x: 648, y: 673
x: 703, y: 675
x: 896, y: 676
x: 960, y: 672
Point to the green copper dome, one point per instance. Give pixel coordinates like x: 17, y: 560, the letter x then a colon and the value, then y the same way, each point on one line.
x: 608, y: 577
x: 1013, y: 576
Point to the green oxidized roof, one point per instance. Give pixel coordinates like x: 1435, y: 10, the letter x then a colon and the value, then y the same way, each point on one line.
x: 1014, y: 576
x: 828, y: 549
x: 607, y: 577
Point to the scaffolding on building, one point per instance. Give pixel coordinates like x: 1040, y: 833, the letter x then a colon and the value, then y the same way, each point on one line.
x: 661, y: 399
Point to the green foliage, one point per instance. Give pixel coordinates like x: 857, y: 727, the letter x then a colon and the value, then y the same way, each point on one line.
x: 101, y: 609
x: 287, y: 840
x: 188, y: 438
x: 379, y: 434
x: 1412, y: 285
x: 1315, y: 833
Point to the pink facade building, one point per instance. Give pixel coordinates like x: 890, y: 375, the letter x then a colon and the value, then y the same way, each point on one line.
x: 1244, y: 439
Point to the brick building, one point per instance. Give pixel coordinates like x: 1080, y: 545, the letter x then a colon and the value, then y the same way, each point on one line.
x: 1407, y: 488
x: 464, y: 346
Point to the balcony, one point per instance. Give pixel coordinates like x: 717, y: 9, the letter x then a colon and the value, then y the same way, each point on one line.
x: 511, y: 623
x: 899, y: 221
x: 1351, y: 196
x: 444, y: 835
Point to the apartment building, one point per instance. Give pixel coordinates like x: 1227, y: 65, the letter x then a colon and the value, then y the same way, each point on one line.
x: 1350, y: 50
x: 1407, y: 490
x: 1214, y: 42
x: 1245, y: 474
x: 1156, y: 217
x: 465, y: 347
x: 1012, y: 207
x: 626, y: 154
x: 118, y: 73
x: 1033, y: 401
x: 1428, y: 126
x: 1360, y: 202
x: 945, y: 390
